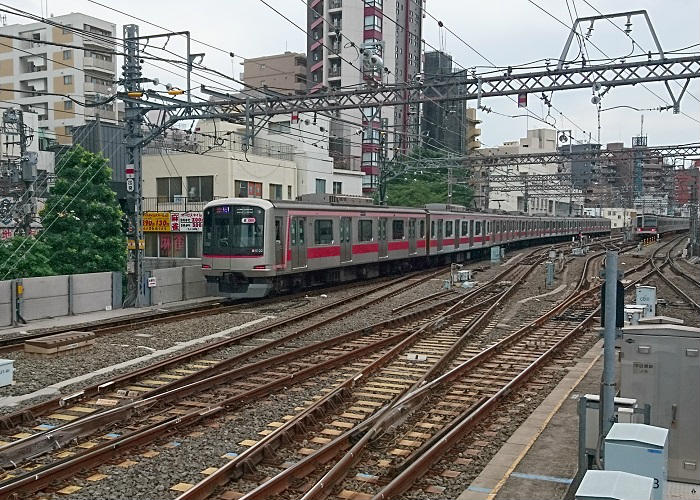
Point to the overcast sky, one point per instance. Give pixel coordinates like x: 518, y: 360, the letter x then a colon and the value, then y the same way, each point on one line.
x: 507, y: 32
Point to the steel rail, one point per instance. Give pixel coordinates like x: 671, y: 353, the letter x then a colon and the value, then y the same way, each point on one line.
x: 252, y: 456
x: 28, y: 414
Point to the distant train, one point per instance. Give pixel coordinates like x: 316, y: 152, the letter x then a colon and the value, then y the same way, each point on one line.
x: 254, y: 247
x: 652, y: 224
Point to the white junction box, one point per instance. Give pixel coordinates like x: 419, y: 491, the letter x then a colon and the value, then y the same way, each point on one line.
x: 6, y: 371
x: 646, y: 296
x: 639, y: 449
x: 661, y: 367
x: 624, y: 411
x: 614, y: 485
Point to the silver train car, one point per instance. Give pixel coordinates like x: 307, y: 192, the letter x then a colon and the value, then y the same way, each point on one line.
x: 652, y: 224
x: 255, y: 247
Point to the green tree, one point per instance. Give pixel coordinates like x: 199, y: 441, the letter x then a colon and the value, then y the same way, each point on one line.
x: 412, y: 180
x: 24, y: 257
x: 82, y: 218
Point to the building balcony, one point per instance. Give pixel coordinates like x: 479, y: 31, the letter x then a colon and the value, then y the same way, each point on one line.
x: 334, y: 72
x: 335, y: 4
x: 174, y: 203
x: 94, y: 63
x: 98, y: 41
x: 347, y: 163
x: 104, y: 114
x: 98, y: 88
x: 334, y: 50
x: 335, y: 26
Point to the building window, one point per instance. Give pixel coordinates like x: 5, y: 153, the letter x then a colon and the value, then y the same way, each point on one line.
x: 67, y: 105
x: 247, y: 189
x: 278, y: 127
x: 365, y: 230
x: 373, y: 23
x: 67, y: 54
x: 174, y: 245
x: 289, y: 192
x: 323, y: 231
x: 275, y: 191
x: 66, y: 29
x: 200, y: 188
x: 68, y: 80
x: 337, y: 188
x: 397, y: 232
x: 373, y: 3
x: 320, y: 186
x: 168, y: 187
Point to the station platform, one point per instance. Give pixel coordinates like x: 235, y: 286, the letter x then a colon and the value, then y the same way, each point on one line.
x: 540, y: 459
x: 99, y: 316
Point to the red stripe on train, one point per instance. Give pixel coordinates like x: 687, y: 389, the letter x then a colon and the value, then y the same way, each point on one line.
x: 398, y: 245
x: 365, y: 248
x: 321, y: 252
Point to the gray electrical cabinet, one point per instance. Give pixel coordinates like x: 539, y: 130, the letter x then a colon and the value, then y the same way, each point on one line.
x: 661, y: 367
x: 639, y: 449
x: 614, y: 485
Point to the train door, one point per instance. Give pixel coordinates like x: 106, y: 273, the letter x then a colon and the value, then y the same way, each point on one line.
x: 411, y: 236
x: 381, y: 237
x: 279, y: 247
x: 471, y: 233
x: 440, y: 228
x: 298, y: 242
x: 345, y: 239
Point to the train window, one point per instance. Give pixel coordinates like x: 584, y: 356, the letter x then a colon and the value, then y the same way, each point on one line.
x: 432, y: 229
x: 448, y: 228
x: 465, y: 228
x: 323, y: 231
x: 278, y: 229
x: 397, y: 229
x: 422, y: 229
x: 488, y: 227
x: 234, y: 230
x: 477, y: 229
x: 365, y: 230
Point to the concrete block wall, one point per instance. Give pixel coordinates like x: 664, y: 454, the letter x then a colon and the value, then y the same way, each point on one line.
x: 45, y: 297
x: 177, y: 283
x: 90, y: 292
x: 194, y: 283
x: 6, y: 303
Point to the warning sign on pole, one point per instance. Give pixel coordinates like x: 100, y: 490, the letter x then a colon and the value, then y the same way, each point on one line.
x: 522, y: 100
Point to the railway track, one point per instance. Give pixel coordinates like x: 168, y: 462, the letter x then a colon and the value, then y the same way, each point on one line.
x: 670, y: 261
x: 37, y: 474
x: 427, y: 414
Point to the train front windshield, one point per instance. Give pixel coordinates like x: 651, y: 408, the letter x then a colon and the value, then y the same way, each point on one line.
x: 235, y: 230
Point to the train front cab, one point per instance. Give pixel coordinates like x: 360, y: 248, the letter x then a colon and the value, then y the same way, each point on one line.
x: 235, y: 262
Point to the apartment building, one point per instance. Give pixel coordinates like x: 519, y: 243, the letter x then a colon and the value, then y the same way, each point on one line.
x: 35, y: 70
x: 283, y: 73
x: 339, y: 30
x: 512, y: 196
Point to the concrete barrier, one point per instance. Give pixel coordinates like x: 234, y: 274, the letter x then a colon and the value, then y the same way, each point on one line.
x: 194, y: 283
x: 7, y: 303
x: 45, y: 297
x: 168, y: 285
x: 91, y: 292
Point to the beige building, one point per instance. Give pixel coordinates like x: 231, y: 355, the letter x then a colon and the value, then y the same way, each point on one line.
x: 512, y: 200
x: 34, y: 69
x: 283, y: 73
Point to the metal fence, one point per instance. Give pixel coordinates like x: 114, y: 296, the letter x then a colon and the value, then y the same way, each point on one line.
x: 223, y: 142
x: 175, y: 203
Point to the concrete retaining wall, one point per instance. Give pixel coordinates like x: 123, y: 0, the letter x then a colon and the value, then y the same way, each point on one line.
x: 45, y: 297
x: 177, y: 283
x: 6, y: 303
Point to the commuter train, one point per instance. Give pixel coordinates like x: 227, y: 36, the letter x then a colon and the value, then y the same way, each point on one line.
x: 652, y: 224
x: 255, y: 247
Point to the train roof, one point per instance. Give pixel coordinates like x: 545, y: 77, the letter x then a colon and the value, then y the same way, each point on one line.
x: 429, y: 209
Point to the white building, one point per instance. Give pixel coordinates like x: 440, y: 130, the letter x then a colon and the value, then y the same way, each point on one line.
x: 537, y: 141
x: 286, y: 160
x: 619, y: 217
x: 34, y: 69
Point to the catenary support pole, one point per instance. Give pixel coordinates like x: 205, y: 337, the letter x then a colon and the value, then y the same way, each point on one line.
x: 609, y: 380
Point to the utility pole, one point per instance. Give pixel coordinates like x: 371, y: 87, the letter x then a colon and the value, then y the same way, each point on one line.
x: 25, y: 207
x: 609, y: 331
x: 694, y: 212
x: 136, y: 287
